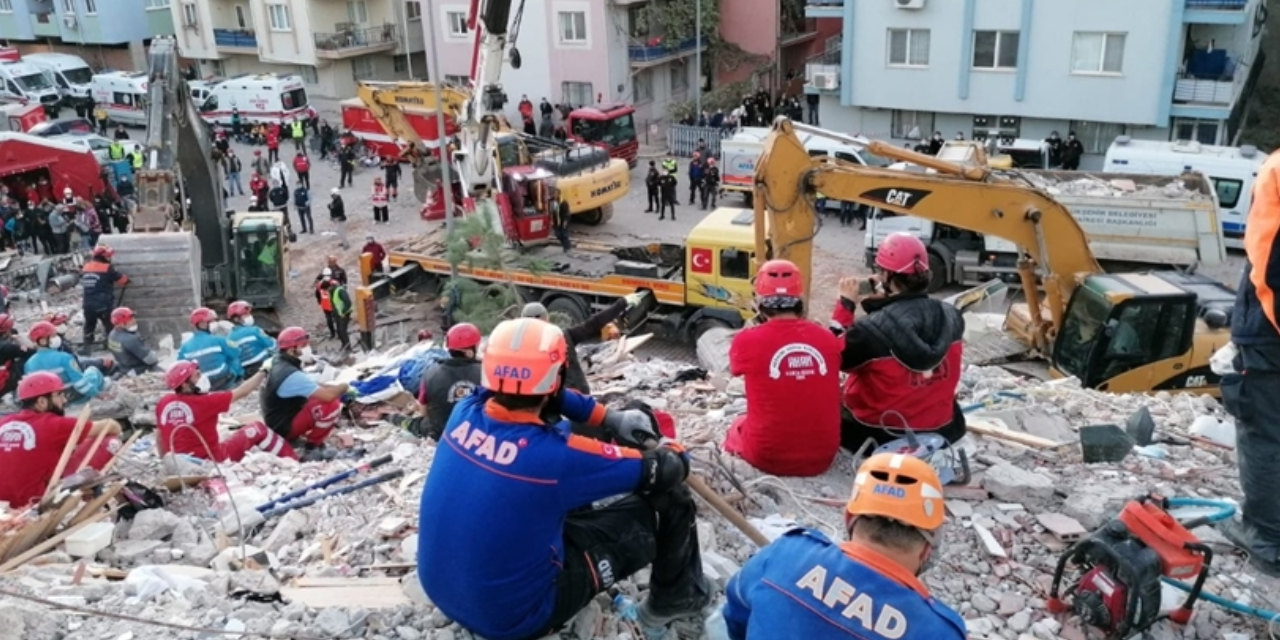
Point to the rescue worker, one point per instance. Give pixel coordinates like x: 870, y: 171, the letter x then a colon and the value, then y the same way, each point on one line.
x: 710, y: 183
x: 187, y: 419
x: 13, y: 355
x: 651, y: 181
x: 49, y: 356
x: 448, y: 382
x: 254, y: 344
x: 379, y: 199
x: 1248, y: 391
x: 298, y: 131
x: 273, y: 143
x: 302, y: 202
x: 785, y: 358
x: 376, y: 252
x: 670, y: 166
x: 130, y: 353
x: 98, y: 281
x: 302, y: 166
x: 904, y: 357
x: 391, y: 171
x: 805, y: 585
x: 342, y: 309
x: 219, y: 360
x: 592, y: 328
x: 295, y: 406
x: 525, y: 581
x: 115, y: 150
x: 33, y: 439
x: 136, y: 158
x: 667, y: 188
x: 326, y: 302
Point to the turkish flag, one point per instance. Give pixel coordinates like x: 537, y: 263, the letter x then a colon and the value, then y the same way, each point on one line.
x: 700, y: 260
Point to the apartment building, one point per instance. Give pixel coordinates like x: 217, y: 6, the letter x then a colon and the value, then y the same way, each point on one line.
x: 331, y: 44
x: 1152, y: 69
x: 106, y: 33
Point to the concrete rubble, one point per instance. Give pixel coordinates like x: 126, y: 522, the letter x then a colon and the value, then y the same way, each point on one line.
x: 342, y: 568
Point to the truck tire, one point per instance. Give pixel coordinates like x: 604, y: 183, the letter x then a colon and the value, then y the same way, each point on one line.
x: 596, y: 217
x: 938, y: 276
x: 566, y: 311
x: 704, y: 325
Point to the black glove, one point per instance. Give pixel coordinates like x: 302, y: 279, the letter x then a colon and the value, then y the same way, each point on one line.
x: 665, y: 467
x: 632, y: 427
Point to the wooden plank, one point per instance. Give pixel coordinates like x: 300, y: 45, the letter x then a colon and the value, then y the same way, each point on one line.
x: 93, y: 506
x: 18, y: 561
x: 307, y: 582
x: 355, y: 595
x: 991, y: 429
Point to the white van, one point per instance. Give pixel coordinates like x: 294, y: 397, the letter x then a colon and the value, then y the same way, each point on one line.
x: 201, y: 90
x: 72, y: 75
x: 1232, y: 170
x: 123, y: 95
x: 740, y: 152
x: 265, y: 97
x: 25, y: 81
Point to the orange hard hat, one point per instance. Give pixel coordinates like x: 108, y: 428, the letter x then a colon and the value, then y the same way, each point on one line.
x: 898, y: 487
x: 524, y: 357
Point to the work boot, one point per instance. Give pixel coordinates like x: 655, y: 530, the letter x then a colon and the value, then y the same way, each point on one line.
x: 1261, y: 555
x: 653, y: 615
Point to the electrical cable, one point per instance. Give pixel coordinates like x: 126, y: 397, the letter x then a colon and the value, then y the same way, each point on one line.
x: 244, y: 552
x: 1225, y: 509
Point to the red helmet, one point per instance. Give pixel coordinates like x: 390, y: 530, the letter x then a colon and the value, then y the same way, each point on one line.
x: 902, y: 253
x: 201, y: 316
x: 292, y: 337
x: 57, y: 318
x: 41, y: 330
x: 239, y: 308
x: 463, y: 335
x: 180, y: 373
x: 121, y: 317
x: 779, y: 283
x: 103, y: 251
x: 6, y: 323
x: 40, y: 383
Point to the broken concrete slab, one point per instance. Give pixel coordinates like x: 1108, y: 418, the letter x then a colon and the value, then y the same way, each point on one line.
x: 1034, y: 421
x: 1094, y: 503
x: 1013, y: 484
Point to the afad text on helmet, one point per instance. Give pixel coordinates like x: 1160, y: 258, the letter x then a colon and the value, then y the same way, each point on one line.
x: 508, y: 372
x: 482, y: 445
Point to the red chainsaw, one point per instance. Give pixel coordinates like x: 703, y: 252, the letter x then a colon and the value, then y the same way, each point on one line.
x: 1117, y: 589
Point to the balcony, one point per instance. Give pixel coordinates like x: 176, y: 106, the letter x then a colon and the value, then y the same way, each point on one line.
x: 796, y: 32
x: 350, y: 43
x: 45, y: 24
x: 822, y: 72
x: 1218, y: 11
x: 1213, y: 78
x: 235, y: 41
x: 655, y: 52
x: 823, y: 8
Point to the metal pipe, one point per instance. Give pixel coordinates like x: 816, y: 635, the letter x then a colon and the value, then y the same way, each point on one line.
x: 306, y: 502
x: 327, y: 482
x: 446, y: 179
x: 697, y: 42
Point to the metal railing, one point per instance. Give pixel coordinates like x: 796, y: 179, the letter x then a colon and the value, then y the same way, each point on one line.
x: 644, y: 53
x: 825, y: 3
x: 235, y: 38
x: 356, y: 38
x: 1201, y: 91
x: 682, y: 139
x: 1224, y: 5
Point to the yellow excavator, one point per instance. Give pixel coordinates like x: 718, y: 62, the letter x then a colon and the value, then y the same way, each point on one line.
x: 584, y: 176
x: 1119, y: 332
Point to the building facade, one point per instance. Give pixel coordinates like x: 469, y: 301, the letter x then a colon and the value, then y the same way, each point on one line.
x: 106, y: 33
x: 330, y: 44
x: 1157, y: 70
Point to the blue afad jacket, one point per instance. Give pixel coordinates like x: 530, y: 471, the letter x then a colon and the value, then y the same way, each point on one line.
x: 490, y: 542
x: 253, y: 343
x: 87, y: 383
x: 215, y: 355
x: 806, y: 586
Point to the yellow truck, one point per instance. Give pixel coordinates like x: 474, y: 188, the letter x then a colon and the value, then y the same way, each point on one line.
x: 695, y: 286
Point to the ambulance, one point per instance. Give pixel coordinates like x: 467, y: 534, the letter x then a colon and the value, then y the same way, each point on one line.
x: 20, y: 118
x: 71, y: 73
x: 23, y: 81
x: 265, y: 97
x: 123, y: 95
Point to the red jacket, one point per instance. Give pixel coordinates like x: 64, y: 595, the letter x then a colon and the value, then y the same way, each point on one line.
x: 301, y: 164
x: 904, y: 362
x: 379, y: 254
x: 273, y: 139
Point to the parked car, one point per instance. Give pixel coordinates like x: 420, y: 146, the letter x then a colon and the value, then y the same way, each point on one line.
x: 60, y: 127
x: 98, y: 144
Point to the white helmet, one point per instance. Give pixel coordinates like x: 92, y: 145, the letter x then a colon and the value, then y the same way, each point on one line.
x: 335, y: 191
x: 326, y: 272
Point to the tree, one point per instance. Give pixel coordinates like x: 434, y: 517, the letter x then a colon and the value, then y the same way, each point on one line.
x: 474, y: 242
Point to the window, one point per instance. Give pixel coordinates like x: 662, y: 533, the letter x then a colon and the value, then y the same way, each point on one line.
x: 1202, y: 131
x: 1096, y: 136
x: 909, y: 47
x: 362, y: 68
x: 1005, y: 129
x: 413, y: 10
x: 399, y: 64
x: 457, y: 23
x: 573, y: 27
x: 69, y: 6
x: 189, y: 14
x: 309, y: 74
x: 635, y: 20
x: 995, y: 49
x: 125, y: 99
x: 1097, y: 52
x: 735, y: 264
x: 278, y: 16
x: 1228, y: 191
x: 91, y: 7
x: 293, y: 99
x: 158, y: 4
x: 576, y: 93
x: 6, y: 6
x: 242, y: 16
x: 911, y: 125
x: 217, y: 67
x: 642, y: 87
x: 358, y: 12
x: 461, y: 81
x: 1143, y: 332
x: 679, y: 78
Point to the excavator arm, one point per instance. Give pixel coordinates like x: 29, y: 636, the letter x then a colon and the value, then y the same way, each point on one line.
x: 387, y: 102
x: 1055, y: 248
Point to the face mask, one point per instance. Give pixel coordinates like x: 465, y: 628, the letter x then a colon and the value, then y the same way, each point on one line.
x: 133, y: 328
x: 202, y: 385
x: 247, y: 321
x: 56, y: 342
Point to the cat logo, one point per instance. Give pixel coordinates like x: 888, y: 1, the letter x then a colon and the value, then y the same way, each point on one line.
x: 612, y: 186
x: 1196, y: 381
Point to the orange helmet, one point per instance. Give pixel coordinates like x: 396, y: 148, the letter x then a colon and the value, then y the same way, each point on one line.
x: 524, y: 357
x: 898, y: 487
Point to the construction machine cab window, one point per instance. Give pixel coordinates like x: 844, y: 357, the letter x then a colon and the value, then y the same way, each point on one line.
x: 293, y: 99
x: 735, y: 264
x: 609, y: 132
x: 509, y: 151
x: 258, y: 257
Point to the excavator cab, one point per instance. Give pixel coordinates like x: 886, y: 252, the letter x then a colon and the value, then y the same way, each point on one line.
x: 1137, y: 332
x: 526, y: 203
x: 260, y: 246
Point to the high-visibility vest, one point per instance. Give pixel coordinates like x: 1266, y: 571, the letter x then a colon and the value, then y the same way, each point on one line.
x: 379, y: 197
x: 116, y: 150
x: 339, y: 307
x: 137, y: 160
x: 298, y: 131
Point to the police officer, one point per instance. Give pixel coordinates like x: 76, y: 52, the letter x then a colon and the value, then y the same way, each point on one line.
x: 670, y: 166
x: 668, y: 188
x: 448, y: 382
x: 651, y: 181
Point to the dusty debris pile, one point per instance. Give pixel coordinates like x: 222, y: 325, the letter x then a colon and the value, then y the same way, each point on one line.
x: 342, y: 567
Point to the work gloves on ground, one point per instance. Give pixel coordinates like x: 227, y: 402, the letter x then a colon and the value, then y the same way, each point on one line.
x: 631, y: 427
x: 665, y: 467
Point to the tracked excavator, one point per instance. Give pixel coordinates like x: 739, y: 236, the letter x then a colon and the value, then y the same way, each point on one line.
x: 1117, y: 332
x: 183, y: 250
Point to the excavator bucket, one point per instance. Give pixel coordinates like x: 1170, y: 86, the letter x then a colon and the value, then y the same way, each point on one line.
x: 426, y: 176
x: 164, y: 279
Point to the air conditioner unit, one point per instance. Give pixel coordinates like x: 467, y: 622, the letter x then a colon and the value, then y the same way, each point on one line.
x: 69, y: 21
x: 826, y: 80
x: 909, y: 4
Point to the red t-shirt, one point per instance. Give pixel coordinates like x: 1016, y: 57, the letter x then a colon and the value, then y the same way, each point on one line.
x: 792, y: 374
x: 198, y: 410
x: 30, y: 445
